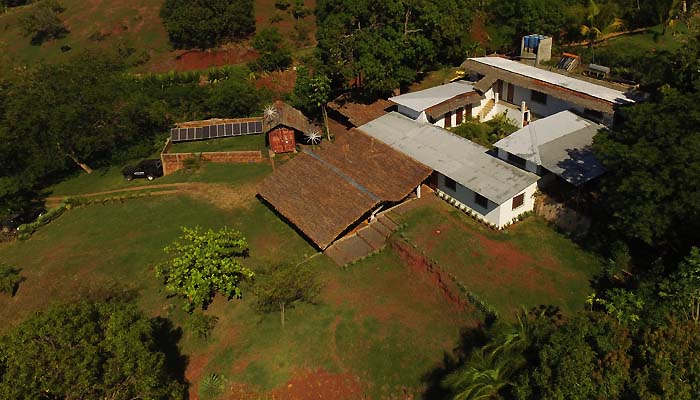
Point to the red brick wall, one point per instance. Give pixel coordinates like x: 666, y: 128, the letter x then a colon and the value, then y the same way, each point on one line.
x: 175, y: 161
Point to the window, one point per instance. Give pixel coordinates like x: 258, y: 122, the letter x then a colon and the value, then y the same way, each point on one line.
x: 481, y: 200
x: 451, y: 184
x: 448, y: 119
x: 519, y: 161
x: 538, y: 97
x: 518, y: 200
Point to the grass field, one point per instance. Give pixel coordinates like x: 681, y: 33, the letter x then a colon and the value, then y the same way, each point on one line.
x: 527, y: 265
x: 237, y: 143
x: 135, y: 23
x: 111, y: 178
x: 366, y: 335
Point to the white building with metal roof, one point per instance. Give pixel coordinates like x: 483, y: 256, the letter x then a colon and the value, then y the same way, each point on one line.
x: 468, y: 177
x: 509, y: 83
x: 560, y: 144
x: 444, y: 106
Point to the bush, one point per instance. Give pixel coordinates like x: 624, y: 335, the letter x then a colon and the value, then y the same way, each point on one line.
x: 211, y: 387
x: 26, y: 230
x: 42, y: 23
x: 207, y: 23
x: 201, y: 325
x: 9, y: 279
x: 282, y: 4
x: 274, y: 53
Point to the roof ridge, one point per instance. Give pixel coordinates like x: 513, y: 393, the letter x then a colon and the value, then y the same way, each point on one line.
x: 342, y: 175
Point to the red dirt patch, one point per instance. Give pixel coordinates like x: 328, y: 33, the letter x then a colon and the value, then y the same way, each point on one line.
x: 278, y: 82
x: 478, y: 31
x: 319, y: 384
x: 196, y: 59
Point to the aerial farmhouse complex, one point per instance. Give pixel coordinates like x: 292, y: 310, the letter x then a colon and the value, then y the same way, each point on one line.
x: 557, y: 117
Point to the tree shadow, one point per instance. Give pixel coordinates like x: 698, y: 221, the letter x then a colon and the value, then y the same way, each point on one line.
x: 167, y: 336
x: 470, y: 339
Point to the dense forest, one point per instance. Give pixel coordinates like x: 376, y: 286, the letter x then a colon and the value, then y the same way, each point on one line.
x: 639, y: 335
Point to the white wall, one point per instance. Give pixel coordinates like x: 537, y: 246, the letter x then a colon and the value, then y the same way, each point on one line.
x: 498, y: 215
x: 529, y: 165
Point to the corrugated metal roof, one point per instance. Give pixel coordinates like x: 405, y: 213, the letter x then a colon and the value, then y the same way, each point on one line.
x: 563, y: 81
x: 458, y: 158
x: 561, y: 143
x: 424, y: 99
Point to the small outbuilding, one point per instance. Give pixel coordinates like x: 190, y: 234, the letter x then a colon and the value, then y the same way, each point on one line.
x: 285, y: 126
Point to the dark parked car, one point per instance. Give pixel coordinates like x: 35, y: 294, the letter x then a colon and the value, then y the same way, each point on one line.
x: 149, y: 169
x: 13, y: 221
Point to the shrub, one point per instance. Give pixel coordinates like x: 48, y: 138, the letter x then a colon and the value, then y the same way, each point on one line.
x: 211, y: 387
x: 282, y: 4
x: 42, y: 23
x: 201, y: 325
x: 9, y: 279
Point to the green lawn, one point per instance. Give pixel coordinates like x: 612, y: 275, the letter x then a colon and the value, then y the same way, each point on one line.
x: 527, y: 265
x: 111, y: 178
x: 237, y: 143
x: 369, y: 324
x: 434, y: 78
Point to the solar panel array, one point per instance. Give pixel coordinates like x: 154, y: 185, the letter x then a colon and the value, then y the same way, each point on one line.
x: 216, y: 131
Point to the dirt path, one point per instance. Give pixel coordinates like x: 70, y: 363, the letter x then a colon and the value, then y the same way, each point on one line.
x: 129, y: 189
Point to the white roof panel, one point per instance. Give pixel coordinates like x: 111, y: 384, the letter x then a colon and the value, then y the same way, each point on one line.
x: 460, y: 159
x: 563, y: 81
x: 424, y: 99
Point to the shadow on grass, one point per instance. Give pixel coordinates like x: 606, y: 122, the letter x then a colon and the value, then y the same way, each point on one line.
x: 470, y: 339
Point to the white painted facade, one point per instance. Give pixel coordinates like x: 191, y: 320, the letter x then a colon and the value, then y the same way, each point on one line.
x: 539, y: 110
x: 496, y: 215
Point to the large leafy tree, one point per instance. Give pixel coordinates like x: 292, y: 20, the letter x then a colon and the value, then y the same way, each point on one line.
x: 274, y: 52
x: 205, y: 263
x: 86, y: 351
x: 682, y: 288
x: 42, y: 22
x: 207, y: 23
x: 383, y: 44
x: 651, y: 187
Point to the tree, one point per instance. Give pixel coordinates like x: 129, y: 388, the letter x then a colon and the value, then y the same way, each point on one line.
x: 205, y: 263
x: 682, y: 288
x: 669, y: 360
x: 235, y: 97
x: 585, y: 358
x: 9, y: 279
x: 594, y: 31
x: 283, y: 285
x: 274, y: 53
x: 380, y: 46
x: 80, y: 111
x: 42, y: 23
x: 86, y: 351
x: 311, y: 94
x: 207, y: 23
x: 651, y: 188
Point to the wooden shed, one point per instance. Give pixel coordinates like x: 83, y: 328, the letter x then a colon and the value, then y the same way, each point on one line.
x: 285, y: 126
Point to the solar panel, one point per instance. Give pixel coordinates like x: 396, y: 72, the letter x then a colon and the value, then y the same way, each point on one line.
x: 216, y: 131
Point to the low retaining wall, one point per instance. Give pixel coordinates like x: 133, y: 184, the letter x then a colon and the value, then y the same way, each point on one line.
x: 175, y: 161
x: 421, y: 265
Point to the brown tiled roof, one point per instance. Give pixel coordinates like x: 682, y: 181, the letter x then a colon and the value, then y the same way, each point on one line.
x: 357, y: 113
x: 289, y: 117
x: 454, y: 103
x: 324, y: 193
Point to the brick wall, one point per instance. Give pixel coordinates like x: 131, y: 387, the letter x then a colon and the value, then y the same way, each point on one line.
x: 175, y: 161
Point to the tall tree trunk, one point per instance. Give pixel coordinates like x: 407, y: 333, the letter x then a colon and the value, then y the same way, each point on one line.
x: 325, y: 121
x: 84, y: 166
x: 282, y: 313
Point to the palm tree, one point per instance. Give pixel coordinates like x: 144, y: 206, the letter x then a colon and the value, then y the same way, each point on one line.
x: 489, y: 369
x: 593, y: 31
